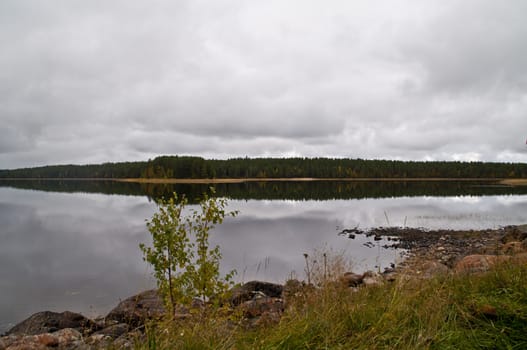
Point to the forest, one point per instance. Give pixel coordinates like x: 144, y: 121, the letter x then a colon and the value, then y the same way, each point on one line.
x: 187, y: 167
x: 279, y: 190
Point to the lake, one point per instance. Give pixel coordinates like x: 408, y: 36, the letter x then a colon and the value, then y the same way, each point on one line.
x: 73, y: 245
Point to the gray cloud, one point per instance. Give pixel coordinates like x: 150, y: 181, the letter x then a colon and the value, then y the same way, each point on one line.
x: 474, y: 48
x: 93, y: 82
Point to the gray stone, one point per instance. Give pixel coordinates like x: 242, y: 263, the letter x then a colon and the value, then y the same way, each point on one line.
x: 136, y: 309
x: 430, y: 268
x: 513, y: 247
x: 114, y: 331
x: 67, y: 338
x: 372, y: 281
x: 49, y: 322
x: 351, y: 279
x: 246, y: 292
x: 390, y: 276
x: 478, y: 263
x: 257, y: 306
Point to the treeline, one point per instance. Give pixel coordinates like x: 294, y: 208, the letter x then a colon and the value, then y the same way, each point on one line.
x: 280, y: 190
x: 90, y: 171
x: 197, y: 167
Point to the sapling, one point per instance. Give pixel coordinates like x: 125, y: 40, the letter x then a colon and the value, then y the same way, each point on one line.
x: 185, y: 265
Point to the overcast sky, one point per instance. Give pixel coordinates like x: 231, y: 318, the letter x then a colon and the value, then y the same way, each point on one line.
x: 95, y: 81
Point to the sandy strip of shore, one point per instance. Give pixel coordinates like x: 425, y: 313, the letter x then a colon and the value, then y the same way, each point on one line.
x: 514, y: 182
x: 305, y: 179
x: 208, y: 181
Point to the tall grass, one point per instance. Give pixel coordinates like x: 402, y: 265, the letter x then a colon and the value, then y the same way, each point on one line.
x: 487, y: 311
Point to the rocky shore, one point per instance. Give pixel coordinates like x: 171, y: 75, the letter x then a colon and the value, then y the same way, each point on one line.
x: 455, y: 250
x: 124, y: 326
x: 429, y: 253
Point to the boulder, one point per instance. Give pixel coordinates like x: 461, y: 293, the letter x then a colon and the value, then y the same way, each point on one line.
x: 49, y: 322
x: 370, y: 278
x: 478, y: 263
x: 106, y: 337
x: 430, y: 268
x: 261, y: 311
x: 292, y: 286
x: 350, y: 279
x: 247, y: 291
x: 136, y: 309
x: 514, y: 234
x: 113, y: 331
x: 258, y: 306
x: 67, y: 338
x: 390, y: 276
x: 513, y: 247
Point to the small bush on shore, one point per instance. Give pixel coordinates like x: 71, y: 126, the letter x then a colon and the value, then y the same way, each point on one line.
x: 185, y: 265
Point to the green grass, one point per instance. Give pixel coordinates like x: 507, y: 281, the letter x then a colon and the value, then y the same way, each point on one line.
x: 486, y: 311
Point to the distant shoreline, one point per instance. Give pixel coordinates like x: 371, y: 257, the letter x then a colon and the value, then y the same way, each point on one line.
x: 498, y: 181
x: 260, y: 179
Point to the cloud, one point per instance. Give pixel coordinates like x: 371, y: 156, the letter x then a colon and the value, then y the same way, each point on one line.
x: 474, y: 47
x: 98, y: 81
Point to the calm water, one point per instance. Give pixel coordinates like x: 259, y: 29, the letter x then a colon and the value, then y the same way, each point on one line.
x: 66, y: 250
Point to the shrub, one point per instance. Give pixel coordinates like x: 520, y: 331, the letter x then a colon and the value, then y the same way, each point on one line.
x: 185, y: 266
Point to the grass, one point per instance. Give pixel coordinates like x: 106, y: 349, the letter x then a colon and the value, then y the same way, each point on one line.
x: 487, y: 311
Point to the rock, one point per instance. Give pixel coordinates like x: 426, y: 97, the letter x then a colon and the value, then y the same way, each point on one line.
x: 129, y: 340
x: 49, y: 322
x: 478, y: 263
x: 135, y: 310
x: 369, y: 281
x: 267, y: 318
x: 48, y: 340
x: 7, y: 341
x: 113, y: 331
x: 514, y: 234
x: 390, y: 276
x: 370, y: 278
x: 512, y: 247
x: 98, y: 341
x: 447, y: 260
x: 246, y: 292
x: 430, y: 268
x: 369, y: 273
x: 258, y: 306
x: 292, y: 287
x: 262, y: 311
x: 351, y: 279
x: 67, y: 338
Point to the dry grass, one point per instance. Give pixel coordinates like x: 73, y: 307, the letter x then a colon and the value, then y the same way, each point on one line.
x: 486, y: 311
